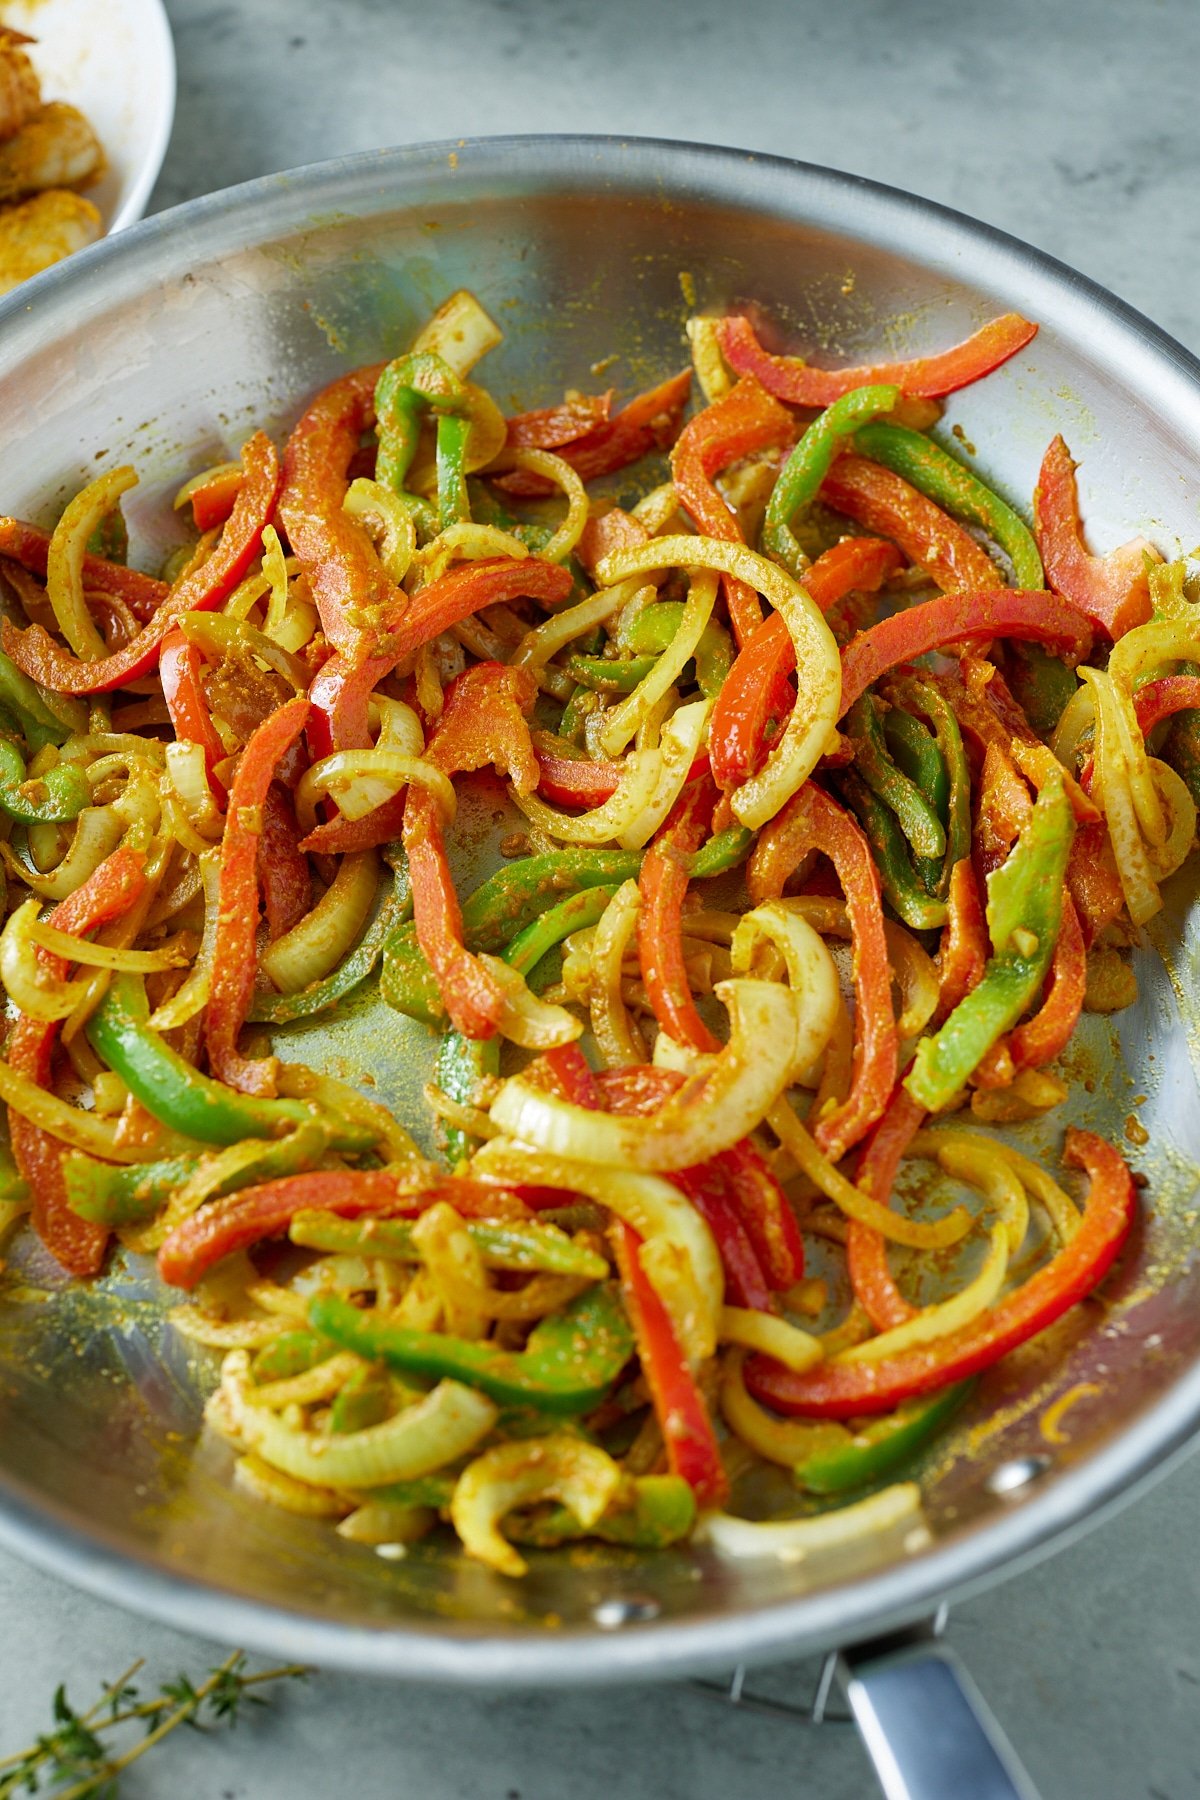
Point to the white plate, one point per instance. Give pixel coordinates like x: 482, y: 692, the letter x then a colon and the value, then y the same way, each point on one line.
x: 115, y: 61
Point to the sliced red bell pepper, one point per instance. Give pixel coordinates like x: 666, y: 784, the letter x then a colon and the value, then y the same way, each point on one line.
x: 845, y: 1390
x: 1113, y: 591
x: 76, y: 1243
x: 679, y: 1405
x: 650, y: 422
x: 964, y: 949
x: 743, y: 422
x: 266, y: 1211
x: 213, y: 502
x: 866, y: 1249
x: 953, y: 619
x: 350, y: 588
x: 756, y: 689
x: 800, y: 384
x: 179, y: 666
x: 664, y: 883
x: 1002, y: 808
x: 812, y: 821
x: 571, y: 1076
x: 576, y: 781
x: 481, y: 724
x: 472, y: 996
x: 884, y: 502
x: 734, y: 1192
x: 27, y: 545
x: 472, y: 586
x: 613, y: 530
x: 1046, y: 1034
x: 340, y: 836
x: 550, y: 427
x: 234, y: 957
x: 683, y: 1417
x: 1158, y: 700
x: 763, y: 1209
x: 53, y: 666
x: 1093, y: 880
x: 283, y: 871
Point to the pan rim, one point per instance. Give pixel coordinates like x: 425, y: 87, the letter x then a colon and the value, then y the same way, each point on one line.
x: 1153, y: 368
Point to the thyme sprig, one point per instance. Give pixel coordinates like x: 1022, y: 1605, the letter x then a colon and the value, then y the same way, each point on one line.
x: 75, y: 1759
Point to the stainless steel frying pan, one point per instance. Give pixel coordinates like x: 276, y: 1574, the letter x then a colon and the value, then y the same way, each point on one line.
x: 164, y: 347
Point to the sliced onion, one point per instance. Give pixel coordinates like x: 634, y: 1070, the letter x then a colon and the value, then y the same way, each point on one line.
x: 933, y: 1322
x: 709, y: 1113
x: 455, y: 1267
x: 527, y: 1020
x: 460, y: 332
x: 618, y: 1038
x: 918, y: 1234
x: 764, y: 1331
x: 359, y: 780
x: 678, y: 1254
x: 105, y: 956
x: 186, y: 1002
x: 466, y: 542
x: 558, y: 470
x: 794, y: 1540
x: 64, y: 559
x: 98, y: 830
x: 818, y: 661
x: 787, y: 1442
x: 387, y: 522
x: 219, y: 634
x: 580, y: 1475
x: 969, y: 1156
x: 81, y: 1130
x: 187, y: 773
x: 439, y: 1428
x: 714, y: 378
x: 324, y: 936
x: 650, y: 786
x: 547, y: 639
x: 274, y: 567
x: 811, y: 974
x: 623, y: 720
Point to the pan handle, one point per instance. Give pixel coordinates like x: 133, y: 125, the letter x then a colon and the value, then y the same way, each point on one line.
x: 926, y: 1727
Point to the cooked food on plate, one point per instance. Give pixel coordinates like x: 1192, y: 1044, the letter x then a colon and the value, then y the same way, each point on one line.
x: 48, y: 151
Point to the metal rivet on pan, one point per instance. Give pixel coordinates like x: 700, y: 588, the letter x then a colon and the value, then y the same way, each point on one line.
x: 1011, y: 1477
x: 610, y: 1615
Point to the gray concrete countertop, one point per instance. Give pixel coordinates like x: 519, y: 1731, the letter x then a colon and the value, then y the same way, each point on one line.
x: 1072, y: 126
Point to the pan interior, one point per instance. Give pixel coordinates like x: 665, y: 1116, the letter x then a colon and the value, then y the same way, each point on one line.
x: 190, y: 340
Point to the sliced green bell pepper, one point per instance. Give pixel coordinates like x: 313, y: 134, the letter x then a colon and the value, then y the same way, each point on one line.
x: 169, y: 1087
x: 806, y: 468
x: 50, y: 799
x: 110, y: 1195
x: 1025, y: 899
x: 915, y: 813
x: 609, y: 676
x: 721, y: 853
x: 883, y: 1446
x: 902, y: 885
x: 648, y: 1512
x: 513, y: 898
x: 523, y: 1247
x: 569, y: 1363
x: 294, y: 1353
x: 406, y: 389
x: 284, y: 1009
